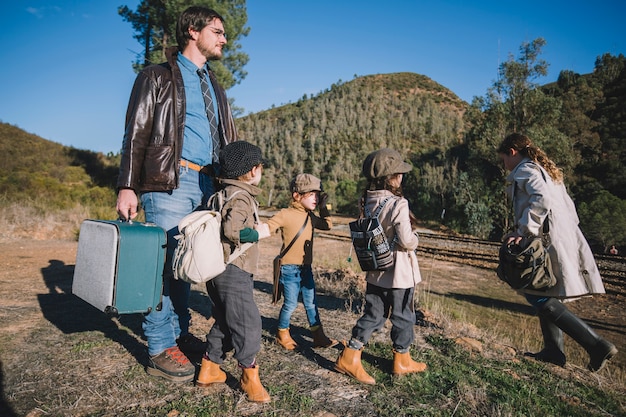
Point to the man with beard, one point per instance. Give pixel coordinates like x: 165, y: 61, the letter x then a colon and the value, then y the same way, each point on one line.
x: 177, y: 120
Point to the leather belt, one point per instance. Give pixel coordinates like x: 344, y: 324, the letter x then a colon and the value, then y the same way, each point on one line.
x: 190, y: 165
x: 207, y: 169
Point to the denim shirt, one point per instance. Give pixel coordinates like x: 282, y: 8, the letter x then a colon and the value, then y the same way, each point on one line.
x: 197, y: 143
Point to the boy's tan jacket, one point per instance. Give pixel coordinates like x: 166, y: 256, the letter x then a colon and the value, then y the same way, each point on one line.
x: 289, y: 221
x: 240, y: 212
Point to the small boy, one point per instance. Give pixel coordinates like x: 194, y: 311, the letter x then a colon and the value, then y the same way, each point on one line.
x: 237, y: 319
x: 296, y: 276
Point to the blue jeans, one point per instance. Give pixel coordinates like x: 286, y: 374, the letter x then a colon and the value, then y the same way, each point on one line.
x: 296, y: 280
x: 166, y: 209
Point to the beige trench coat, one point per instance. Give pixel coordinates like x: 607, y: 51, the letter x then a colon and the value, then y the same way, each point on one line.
x: 395, y: 221
x: 536, y: 198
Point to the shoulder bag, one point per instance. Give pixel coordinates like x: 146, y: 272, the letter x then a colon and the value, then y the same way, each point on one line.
x: 278, y: 261
x: 526, y: 265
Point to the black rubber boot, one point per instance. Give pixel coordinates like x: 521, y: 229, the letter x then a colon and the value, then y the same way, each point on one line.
x: 599, y: 350
x: 552, y: 351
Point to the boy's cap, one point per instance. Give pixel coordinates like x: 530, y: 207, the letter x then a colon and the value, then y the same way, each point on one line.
x: 238, y: 158
x: 304, y: 183
x: 384, y: 162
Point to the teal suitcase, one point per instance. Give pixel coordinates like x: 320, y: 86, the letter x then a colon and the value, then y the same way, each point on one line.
x: 119, y: 266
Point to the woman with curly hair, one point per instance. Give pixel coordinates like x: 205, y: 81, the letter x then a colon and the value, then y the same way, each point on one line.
x: 535, y: 186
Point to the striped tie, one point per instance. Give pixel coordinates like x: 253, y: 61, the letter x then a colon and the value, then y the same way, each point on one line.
x: 210, y: 113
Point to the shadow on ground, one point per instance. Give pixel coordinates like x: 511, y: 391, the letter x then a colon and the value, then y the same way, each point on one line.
x: 70, y: 314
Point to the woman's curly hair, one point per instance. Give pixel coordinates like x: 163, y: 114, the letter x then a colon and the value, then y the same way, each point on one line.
x: 523, y: 145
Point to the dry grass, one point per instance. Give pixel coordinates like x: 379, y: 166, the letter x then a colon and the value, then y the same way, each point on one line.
x: 18, y: 221
x: 60, y: 357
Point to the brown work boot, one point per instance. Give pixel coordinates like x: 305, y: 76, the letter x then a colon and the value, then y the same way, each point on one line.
x: 320, y: 339
x: 210, y: 373
x: 251, y: 385
x: 403, y: 364
x: 349, y: 363
x: 284, y: 339
x: 172, y: 365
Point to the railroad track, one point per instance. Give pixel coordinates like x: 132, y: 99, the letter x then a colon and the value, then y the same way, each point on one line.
x: 483, y: 253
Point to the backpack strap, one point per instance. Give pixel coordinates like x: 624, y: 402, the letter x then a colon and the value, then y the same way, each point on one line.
x: 216, y: 203
x: 380, y: 207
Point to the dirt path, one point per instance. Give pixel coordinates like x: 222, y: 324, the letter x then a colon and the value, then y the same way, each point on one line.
x: 55, y: 360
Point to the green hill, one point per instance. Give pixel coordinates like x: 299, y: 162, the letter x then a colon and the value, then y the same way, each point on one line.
x: 50, y: 175
x: 329, y: 134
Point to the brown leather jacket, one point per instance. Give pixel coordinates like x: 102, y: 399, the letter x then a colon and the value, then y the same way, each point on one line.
x: 155, y: 122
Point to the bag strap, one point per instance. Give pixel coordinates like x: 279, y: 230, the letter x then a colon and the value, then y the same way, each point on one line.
x: 285, y: 250
x: 546, y: 222
x: 239, y: 251
x: 378, y: 209
x: 221, y: 202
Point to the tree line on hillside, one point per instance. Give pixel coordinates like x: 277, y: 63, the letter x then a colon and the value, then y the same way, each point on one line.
x: 458, y: 180
x: 49, y: 176
x: 579, y: 121
x: 329, y: 134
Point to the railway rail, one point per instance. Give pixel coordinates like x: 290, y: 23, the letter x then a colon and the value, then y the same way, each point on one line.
x: 483, y: 253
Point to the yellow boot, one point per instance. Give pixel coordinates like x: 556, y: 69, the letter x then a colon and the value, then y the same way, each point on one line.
x: 349, y: 363
x: 284, y: 339
x: 251, y: 385
x: 210, y: 373
x: 403, y: 364
x: 320, y: 339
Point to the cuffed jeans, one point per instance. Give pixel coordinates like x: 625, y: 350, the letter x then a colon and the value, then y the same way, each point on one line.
x: 379, y: 302
x: 296, y: 280
x: 237, y: 319
x: 166, y: 209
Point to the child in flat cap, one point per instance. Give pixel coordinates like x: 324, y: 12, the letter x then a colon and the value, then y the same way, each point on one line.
x: 237, y: 319
x: 297, y: 223
x: 388, y: 293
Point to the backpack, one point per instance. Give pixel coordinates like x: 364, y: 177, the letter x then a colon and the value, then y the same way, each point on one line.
x: 199, y: 255
x: 370, y: 243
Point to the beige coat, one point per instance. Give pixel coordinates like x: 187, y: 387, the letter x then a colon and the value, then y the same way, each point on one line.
x: 395, y: 220
x: 289, y: 221
x: 536, y: 198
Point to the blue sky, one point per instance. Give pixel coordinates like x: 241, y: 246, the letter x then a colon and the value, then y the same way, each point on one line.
x: 66, y: 64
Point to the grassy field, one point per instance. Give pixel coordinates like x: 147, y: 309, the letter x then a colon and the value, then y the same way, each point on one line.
x: 61, y: 357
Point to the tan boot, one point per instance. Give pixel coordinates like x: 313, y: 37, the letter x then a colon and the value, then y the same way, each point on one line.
x: 403, y: 364
x: 251, y: 385
x: 210, y: 373
x: 284, y: 339
x: 320, y: 339
x: 349, y: 363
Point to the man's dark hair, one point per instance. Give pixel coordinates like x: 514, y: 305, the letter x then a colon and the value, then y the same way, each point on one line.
x: 195, y: 18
